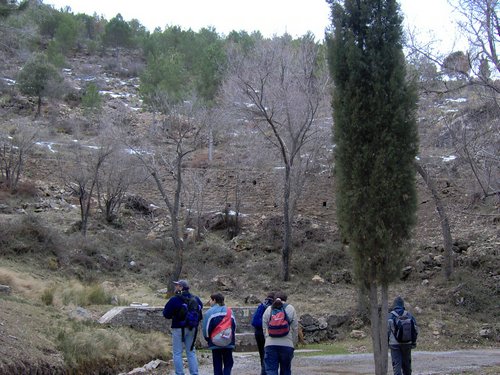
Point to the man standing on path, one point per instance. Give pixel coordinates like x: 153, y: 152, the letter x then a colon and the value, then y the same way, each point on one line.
x: 185, y: 311
x: 402, y: 333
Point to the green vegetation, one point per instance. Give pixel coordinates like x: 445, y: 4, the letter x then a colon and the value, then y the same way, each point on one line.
x: 323, y: 349
x: 375, y: 133
x: 91, y: 100
x: 37, y: 77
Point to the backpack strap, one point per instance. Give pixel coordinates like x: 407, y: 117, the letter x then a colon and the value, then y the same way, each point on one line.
x: 195, y: 328
x: 286, y: 315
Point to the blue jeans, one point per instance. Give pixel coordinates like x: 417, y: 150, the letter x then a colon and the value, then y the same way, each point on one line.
x: 401, y: 359
x: 278, y: 357
x: 222, y: 358
x: 178, y: 345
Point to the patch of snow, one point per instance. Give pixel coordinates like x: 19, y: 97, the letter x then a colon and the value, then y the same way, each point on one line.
x: 448, y: 158
x: 9, y: 81
x: 48, y: 145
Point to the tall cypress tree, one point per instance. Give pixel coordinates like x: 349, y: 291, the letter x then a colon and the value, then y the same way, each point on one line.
x: 376, y: 144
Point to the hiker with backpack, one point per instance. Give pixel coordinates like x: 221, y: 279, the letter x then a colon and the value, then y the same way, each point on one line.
x: 281, y: 327
x: 219, y: 329
x: 185, y: 310
x: 402, y: 334
x: 259, y: 332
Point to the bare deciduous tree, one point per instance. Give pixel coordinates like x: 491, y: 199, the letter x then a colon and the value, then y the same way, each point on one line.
x: 173, y: 139
x: 15, y: 148
x: 80, y: 173
x: 281, y: 88
x: 474, y: 129
x: 116, y: 175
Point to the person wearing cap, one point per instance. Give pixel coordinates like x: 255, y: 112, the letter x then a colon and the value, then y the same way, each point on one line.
x: 400, y: 352
x: 182, y: 337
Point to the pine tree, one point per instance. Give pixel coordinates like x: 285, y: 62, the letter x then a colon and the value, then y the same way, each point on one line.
x: 36, y: 78
x: 376, y: 144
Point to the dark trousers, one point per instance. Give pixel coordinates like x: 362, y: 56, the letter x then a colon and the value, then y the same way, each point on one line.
x: 261, y: 340
x: 401, y: 359
x: 222, y: 360
x: 278, y: 357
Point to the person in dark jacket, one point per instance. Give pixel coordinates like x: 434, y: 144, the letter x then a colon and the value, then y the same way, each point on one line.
x: 182, y: 337
x: 259, y: 332
x: 222, y: 356
x: 400, y: 351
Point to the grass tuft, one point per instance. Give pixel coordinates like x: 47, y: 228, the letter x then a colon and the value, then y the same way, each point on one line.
x: 92, y: 349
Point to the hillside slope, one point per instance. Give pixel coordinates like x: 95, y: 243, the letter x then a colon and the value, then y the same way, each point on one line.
x: 48, y: 265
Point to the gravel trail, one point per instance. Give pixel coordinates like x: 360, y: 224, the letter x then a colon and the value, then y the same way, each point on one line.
x: 450, y: 362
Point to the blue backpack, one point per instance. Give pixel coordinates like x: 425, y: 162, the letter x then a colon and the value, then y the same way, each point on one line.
x: 189, y: 314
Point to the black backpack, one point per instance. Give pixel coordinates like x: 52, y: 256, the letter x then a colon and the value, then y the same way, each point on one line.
x: 405, y: 331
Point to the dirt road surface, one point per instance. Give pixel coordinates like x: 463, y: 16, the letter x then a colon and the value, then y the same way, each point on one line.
x: 485, y: 361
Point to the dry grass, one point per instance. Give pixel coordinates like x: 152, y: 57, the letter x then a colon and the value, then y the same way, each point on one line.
x: 88, y: 348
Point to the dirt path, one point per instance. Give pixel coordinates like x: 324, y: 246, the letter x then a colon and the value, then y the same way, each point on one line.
x: 452, y: 362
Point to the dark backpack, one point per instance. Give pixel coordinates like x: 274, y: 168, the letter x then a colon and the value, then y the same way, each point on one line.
x: 257, y: 316
x: 189, y: 315
x: 279, y: 325
x: 404, y: 328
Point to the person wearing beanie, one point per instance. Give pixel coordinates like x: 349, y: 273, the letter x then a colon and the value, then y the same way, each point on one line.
x: 401, y: 350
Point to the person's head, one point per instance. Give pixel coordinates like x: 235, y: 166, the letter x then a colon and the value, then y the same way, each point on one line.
x: 398, y: 302
x: 269, y: 298
x: 217, y: 298
x: 181, y: 285
x: 279, y: 298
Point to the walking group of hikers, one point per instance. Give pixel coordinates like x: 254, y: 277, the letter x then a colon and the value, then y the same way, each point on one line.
x: 276, y: 332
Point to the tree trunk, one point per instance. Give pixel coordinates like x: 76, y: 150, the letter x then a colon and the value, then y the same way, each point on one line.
x: 38, y: 107
x: 378, y: 319
x: 287, y: 227
x: 179, y: 250
x: 174, y: 215
x: 445, y: 226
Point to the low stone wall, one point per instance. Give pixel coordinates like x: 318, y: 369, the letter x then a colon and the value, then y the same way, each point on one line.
x: 141, y: 318
x: 146, y: 318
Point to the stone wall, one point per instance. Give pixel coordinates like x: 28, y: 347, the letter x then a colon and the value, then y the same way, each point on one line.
x: 149, y: 318
x: 146, y: 318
